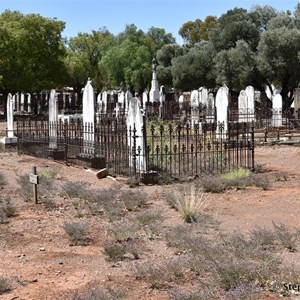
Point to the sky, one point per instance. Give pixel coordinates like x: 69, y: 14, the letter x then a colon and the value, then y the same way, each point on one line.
x: 85, y: 16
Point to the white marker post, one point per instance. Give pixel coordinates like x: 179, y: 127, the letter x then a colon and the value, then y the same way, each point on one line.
x: 34, y: 179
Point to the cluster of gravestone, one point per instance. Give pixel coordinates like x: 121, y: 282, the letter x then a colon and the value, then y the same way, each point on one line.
x: 95, y: 107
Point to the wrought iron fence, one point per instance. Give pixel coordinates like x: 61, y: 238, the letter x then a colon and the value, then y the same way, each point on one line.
x: 167, y: 147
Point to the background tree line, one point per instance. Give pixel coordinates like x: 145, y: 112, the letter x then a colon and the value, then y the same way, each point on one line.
x: 260, y: 47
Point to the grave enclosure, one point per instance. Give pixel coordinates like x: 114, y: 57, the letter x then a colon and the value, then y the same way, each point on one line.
x: 179, y: 135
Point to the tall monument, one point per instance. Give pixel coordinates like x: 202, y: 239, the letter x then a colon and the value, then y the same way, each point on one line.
x: 154, y: 92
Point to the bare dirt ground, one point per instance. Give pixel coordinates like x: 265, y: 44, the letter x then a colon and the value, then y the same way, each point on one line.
x: 41, y: 263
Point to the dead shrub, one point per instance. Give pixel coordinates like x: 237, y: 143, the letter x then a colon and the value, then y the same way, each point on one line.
x: 288, y: 239
x: 5, y: 286
x: 77, y: 232
x: 96, y: 293
x: 133, y: 199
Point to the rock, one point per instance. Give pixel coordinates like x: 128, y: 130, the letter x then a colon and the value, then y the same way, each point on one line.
x: 102, y: 173
x: 42, y: 249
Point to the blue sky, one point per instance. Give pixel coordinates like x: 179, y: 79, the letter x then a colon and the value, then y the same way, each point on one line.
x: 85, y: 16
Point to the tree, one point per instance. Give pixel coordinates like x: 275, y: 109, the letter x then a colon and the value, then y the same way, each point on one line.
x: 84, y: 54
x: 32, y: 53
x: 236, y: 67
x: 278, y: 54
x: 233, y: 26
x: 195, y: 68
x: 194, y: 32
x: 164, y: 58
x: 129, y: 62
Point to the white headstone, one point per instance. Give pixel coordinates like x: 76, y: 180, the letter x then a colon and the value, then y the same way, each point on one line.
x: 28, y: 103
x: 99, y: 103
x: 277, y: 111
x: 137, y: 145
x: 243, y: 106
x: 210, y: 109
x: 250, y: 92
x: 222, y: 106
x: 128, y: 97
x: 22, y: 101
x: 104, y: 102
x: 53, y: 119
x: 145, y: 99
x: 204, y: 97
x: 194, y: 101
x: 10, y: 116
x: 88, y: 115
x: 180, y: 101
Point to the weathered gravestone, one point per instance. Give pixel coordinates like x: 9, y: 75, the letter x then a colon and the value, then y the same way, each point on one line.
x: 222, y: 109
x: 135, y: 136
x: 277, y: 111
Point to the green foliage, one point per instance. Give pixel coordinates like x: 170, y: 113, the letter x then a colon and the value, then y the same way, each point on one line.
x: 32, y: 52
x: 195, y: 32
x: 194, y: 69
x: 236, y: 174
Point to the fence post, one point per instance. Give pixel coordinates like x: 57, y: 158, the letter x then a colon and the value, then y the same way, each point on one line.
x: 134, y: 150
x: 252, y: 147
x: 145, y: 142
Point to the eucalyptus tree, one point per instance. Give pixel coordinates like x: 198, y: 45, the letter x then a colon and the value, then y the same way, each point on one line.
x: 85, y: 51
x: 31, y: 53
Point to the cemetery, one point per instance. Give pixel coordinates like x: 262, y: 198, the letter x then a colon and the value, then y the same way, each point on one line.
x: 135, y: 168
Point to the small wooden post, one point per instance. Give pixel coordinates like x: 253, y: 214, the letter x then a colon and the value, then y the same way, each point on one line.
x: 34, y: 179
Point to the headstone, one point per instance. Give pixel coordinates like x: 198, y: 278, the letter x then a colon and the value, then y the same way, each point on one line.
x: 22, y: 102
x: 250, y: 92
x: 154, y: 92
x: 10, y: 137
x: 243, y: 106
x: 53, y: 119
x: 145, y: 99
x: 222, y: 107
x: 128, y: 97
x: 135, y: 137
x: 17, y: 98
x: 10, y: 116
x: 104, y: 102
x: 210, y: 109
x: 162, y: 99
x: 204, y: 97
x: 99, y: 103
x: 121, y: 101
x: 88, y: 115
x: 194, y: 102
x: 296, y: 103
x: 28, y: 103
x: 181, y: 101
x: 277, y: 111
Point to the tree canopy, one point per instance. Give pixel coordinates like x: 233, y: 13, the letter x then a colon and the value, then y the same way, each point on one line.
x: 258, y: 47
x: 32, y: 52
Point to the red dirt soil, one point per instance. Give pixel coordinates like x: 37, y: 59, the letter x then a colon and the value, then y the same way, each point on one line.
x: 40, y: 263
